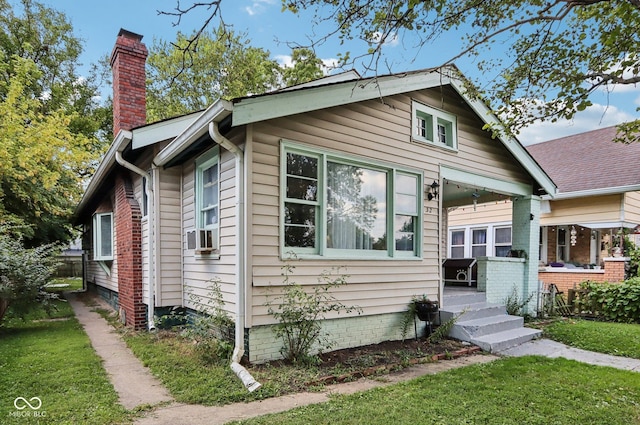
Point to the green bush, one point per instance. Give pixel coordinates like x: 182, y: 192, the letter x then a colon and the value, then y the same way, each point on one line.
x: 300, y: 312
x: 616, y: 302
x: 24, y: 272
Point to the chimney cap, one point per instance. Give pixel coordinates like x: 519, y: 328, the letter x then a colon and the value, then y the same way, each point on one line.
x: 129, y: 34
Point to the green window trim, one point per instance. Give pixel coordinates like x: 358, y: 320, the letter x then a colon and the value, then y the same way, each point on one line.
x: 433, y: 126
x: 340, y: 206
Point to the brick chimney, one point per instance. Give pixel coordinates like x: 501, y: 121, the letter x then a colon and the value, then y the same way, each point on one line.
x: 129, y: 80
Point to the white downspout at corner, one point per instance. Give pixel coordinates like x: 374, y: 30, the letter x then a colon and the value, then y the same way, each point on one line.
x: 150, y: 211
x: 249, y: 382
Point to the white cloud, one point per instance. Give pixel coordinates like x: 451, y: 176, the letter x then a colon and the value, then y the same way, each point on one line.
x: 392, y: 39
x: 592, y: 118
x: 258, y: 6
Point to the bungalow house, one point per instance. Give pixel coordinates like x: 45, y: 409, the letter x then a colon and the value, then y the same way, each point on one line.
x: 341, y: 172
x: 598, y: 200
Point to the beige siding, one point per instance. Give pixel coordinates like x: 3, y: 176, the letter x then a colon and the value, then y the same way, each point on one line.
x: 491, y: 212
x: 199, y: 270
x: 378, y: 132
x: 632, y: 207
x: 593, y: 209
x: 169, y: 240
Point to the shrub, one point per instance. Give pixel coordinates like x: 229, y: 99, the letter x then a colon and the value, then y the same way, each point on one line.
x: 300, y: 313
x: 616, y: 302
x: 210, y: 329
x: 23, y: 274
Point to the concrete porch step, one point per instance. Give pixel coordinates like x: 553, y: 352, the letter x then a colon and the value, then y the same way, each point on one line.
x: 495, y: 342
x: 471, y: 311
x: 465, y: 298
x: 468, y: 329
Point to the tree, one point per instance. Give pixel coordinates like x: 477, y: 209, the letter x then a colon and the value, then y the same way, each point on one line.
x: 306, y: 67
x: 220, y: 65
x: 52, y: 127
x: 559, y: 52
x: 23, y: 274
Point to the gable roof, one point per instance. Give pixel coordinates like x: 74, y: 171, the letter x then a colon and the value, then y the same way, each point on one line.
x: 332, y: 93
x: 590, y: 163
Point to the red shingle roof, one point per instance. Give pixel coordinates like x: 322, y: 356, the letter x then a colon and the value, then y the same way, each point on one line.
x: 589, y: 161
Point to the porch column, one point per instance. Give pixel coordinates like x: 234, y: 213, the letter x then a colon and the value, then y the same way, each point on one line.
x: 525, y: 237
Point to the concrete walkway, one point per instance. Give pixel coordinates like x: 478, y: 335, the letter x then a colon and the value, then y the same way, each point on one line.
x: 136, y: 386
x: 553, y: 349
x: 132, y: 381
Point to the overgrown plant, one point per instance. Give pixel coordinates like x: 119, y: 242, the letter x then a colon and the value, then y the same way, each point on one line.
x: 412, y: 310
x: 211, y: 329
x: 24, y: 272
x: 616, y: 302
x: 515, y: 304
x: 443, y: 330
x: 300, y: 312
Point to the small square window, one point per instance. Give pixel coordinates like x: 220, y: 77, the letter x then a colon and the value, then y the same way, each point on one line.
x: 434, y: 126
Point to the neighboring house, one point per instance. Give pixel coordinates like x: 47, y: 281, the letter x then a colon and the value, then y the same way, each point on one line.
x: 341, y: 172
x: 598, y: 199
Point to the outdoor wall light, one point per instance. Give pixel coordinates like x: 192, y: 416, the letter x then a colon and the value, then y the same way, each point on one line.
x: 475, y: 195
x: 433, y: 191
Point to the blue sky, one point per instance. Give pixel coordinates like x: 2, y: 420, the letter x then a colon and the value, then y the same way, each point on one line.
x: 98, y: 23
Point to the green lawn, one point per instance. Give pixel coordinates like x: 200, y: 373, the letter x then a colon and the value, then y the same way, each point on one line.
x: 619, y: 339
x: 527, y: 390
x: 53, y: 361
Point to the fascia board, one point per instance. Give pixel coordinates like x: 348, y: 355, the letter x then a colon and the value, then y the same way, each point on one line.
x: 200, y: 126
x: 163, y: 130
x: 105, y: 166
x: 276, y: 105
x: 477, y: 180
x: 516, y: 149
x: 595, y: 192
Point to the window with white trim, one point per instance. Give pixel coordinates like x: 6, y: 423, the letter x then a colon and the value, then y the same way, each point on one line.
x: 478, y: 242
x: 502, y: 241
x: 208, y: 190
x: 457, y: 244
x: 103, y: 236
x: 337, y: 206
x: 433, y: 126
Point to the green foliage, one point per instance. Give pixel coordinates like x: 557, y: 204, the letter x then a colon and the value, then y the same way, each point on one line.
x: 514, y: 303
x: 554, y: 55
x: 222, y: 65
x: 409, y: 316
x: 54, y: 360
x: 616, y: 302
x: 619, y: 339
x: 210, y: 329
x: 530, y: 390
x: 24, y: 272
x: 442, y: 331
x: 300, y: 313
x: 50, y: 122
x: 306, y: 67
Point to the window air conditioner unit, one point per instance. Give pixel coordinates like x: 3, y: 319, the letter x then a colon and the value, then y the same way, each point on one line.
x: 206, y: 239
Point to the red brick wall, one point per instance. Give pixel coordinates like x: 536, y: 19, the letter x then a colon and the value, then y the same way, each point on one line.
x: 129, y: 79
x: 613, y: 272
x: 129, y: 252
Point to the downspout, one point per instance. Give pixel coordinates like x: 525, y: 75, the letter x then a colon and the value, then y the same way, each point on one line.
x: 249, y: 382
x: 150, y: 211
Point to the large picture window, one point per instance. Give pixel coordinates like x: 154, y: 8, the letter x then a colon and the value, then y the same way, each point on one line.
x: 103, y: 236
x: 345, y: 207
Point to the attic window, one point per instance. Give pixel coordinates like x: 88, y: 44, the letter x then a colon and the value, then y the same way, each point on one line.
x: 433, y: 126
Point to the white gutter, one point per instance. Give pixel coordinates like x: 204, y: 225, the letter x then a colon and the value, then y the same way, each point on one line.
x: 594, y: 192
x: 127, y: 135
x: 249, y: 382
